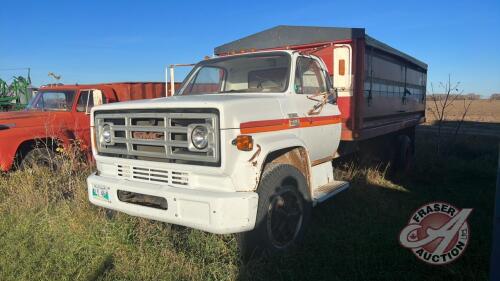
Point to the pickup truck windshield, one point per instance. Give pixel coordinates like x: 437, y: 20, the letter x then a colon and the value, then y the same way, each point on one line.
x: 265, y: 72
x: 52, y: 101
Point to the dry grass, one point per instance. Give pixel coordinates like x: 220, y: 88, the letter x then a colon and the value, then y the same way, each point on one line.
x: 480, y: 111
x: 374, y: 174
x: 49, y: 231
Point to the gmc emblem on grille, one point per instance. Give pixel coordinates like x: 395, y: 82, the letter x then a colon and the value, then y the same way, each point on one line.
x: 148, y: 135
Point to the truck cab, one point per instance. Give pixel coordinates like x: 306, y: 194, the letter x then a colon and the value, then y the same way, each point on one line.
x: 244, y: 146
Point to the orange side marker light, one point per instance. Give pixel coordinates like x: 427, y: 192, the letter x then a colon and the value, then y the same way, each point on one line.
x: 243, y: 142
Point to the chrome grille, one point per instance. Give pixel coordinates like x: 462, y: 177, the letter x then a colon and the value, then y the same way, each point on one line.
x: 157, y: 136
x: 176, y: 178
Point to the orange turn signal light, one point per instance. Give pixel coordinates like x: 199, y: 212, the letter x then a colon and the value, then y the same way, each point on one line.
x: 244, y: 142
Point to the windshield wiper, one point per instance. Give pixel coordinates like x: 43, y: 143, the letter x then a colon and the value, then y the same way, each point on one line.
x: 231, y: 91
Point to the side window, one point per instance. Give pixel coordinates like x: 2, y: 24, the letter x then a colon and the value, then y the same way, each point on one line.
x: 85, y: 101
x: 309, y: 78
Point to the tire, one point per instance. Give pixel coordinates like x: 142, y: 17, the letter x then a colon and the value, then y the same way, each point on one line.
x: 283, y: 213
x: 405, y: 154
x: 39, y: 157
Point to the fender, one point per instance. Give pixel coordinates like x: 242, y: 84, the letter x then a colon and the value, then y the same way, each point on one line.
x: 19, y: 140
x: 271, y: 143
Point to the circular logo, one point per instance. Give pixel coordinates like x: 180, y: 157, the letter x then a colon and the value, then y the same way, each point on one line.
x: 437, y: 233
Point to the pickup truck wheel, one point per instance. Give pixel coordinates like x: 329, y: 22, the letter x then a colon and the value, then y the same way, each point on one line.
x: 282, y: 214
x: 39, y: 157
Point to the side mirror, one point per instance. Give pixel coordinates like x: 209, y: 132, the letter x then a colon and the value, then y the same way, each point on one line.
x: 333, y: 95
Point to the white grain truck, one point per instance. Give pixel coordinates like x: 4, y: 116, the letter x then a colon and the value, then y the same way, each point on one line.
x: 246, y: 144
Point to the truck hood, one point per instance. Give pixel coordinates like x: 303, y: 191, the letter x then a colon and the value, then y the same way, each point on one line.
x: 234, y: 109
x: 22, y: 119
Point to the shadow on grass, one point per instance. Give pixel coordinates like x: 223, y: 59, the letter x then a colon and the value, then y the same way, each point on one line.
x: 355, y: 235
x: 105, y: 266
x: 346, y: 234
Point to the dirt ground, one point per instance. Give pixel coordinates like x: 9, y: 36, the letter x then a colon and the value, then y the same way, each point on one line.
x: 487, y: 111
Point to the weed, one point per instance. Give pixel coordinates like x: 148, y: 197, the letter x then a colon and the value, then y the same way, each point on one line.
x: 49, y: 230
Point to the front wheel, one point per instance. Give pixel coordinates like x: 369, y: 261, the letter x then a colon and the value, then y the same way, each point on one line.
x: 37, y: 157
x: 282, y: 215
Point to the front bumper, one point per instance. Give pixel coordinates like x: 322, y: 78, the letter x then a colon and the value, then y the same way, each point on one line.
x: 211, y: 211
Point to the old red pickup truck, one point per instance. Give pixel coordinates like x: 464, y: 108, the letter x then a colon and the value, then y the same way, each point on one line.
x: 59, y: 115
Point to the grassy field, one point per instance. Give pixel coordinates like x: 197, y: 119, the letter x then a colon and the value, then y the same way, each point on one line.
x: 49, y: 231
x: 479, y: 111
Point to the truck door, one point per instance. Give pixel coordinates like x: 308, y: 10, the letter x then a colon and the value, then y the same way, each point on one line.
x: 318, y: 115
x: 81, y: 113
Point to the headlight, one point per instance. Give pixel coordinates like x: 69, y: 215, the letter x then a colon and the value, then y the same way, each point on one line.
x: 199, y: 137
x: 106, y: 135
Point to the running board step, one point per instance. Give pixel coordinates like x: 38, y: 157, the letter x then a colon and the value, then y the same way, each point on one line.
x: 329, y: 190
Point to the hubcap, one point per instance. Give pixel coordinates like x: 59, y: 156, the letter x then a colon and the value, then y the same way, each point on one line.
x: 284, y: 217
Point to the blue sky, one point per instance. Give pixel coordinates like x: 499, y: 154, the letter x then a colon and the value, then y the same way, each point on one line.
x: 101, y: 41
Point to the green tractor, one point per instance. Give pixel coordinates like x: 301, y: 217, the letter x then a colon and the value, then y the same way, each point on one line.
x: 16, y: 95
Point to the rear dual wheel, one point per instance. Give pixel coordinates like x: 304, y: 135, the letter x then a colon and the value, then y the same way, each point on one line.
x: 405, y: 152
x: 282, y: 215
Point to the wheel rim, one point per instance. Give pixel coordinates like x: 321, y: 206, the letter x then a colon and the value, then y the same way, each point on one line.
x: 41, y: 160
x: 284, y: 217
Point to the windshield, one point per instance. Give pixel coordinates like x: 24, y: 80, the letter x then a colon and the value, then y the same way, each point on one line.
x: 52, y: 101
x: 267, y: 72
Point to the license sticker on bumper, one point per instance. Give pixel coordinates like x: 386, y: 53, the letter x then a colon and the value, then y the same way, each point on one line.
x: 101, y: 192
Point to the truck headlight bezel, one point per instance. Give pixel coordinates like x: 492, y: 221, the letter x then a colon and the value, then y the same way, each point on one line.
x: 200, y: 137
x: 106, y: 135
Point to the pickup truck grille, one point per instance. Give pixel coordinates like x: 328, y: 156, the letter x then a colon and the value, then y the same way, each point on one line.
x: 160, y: 176
x: 157, y: 136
